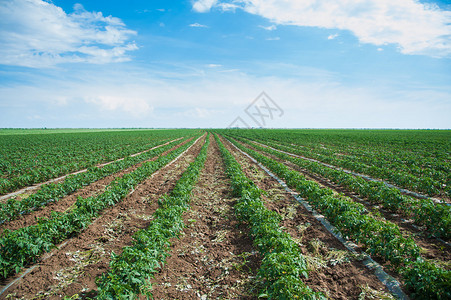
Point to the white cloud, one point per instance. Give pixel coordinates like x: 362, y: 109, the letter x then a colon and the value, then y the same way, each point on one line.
x: 332, y: 36
x: 270, y: 27
x: 273, y: 38
x: 227, y: 6
x: 112, y: 102
x: 198, y: 25
x: 203, y: 5
x: 415, y: 27
x: 130, y: 98
x: 36, y: 33
x: 214, y: 65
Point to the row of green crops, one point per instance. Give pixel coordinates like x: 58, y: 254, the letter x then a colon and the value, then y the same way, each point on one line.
x: 52, y: 192
x: 435, y: 216
x: 379, y: 237
x: 426, y: 149
x: 426, y: 181
x: 131, y: 271
x: 26, y: 159
x: 283, y: 265
x: 23, y: 246
x: 417, y: 160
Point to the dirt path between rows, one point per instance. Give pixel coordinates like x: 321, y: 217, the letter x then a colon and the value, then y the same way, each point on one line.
x: 432, y: 248
x: 214, y: 258
x: 334, y: 270
x: 73, y: 268
x: 66, y: 202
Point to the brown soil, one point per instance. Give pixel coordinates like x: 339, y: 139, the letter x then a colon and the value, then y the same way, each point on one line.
x: 333, y: 269
x: 65, y: 203
x: 214, y: 258
x: 432, y: 248
x: 72, y: 269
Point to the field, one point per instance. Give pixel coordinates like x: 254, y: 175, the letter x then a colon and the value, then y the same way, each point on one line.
x: 225, y: 214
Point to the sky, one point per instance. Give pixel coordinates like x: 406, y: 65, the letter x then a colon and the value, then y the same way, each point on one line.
x: 225, y: 63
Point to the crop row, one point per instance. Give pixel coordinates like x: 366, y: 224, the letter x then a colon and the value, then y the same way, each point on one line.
x: 435, y: 216
x: 380, y: 237
x: 426, y: 181
x: 52, y: 192
x: 28, y: 159
x: 396, y: 161
x: 283, y: 265
x: 131, y: 271
x: 25, y: 245
x: 423, y: 149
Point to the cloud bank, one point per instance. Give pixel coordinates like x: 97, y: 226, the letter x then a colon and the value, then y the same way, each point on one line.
x: 214, y: 99
x: 416, y: 28
x: 35, y: 33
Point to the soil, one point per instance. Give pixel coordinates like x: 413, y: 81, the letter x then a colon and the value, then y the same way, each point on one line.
x: 214, y: 258
x: 333, y: 269
x: 73, y: 268
x: 431, y: 247
x: 66, y: 202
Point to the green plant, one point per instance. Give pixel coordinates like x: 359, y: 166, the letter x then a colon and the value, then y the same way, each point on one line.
x: 25, y: 245
x: 283, y: 265
x: 380, y: 238
x: 130, y: 273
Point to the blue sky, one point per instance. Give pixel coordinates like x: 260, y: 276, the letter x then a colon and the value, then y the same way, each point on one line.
x: 325, y: 64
